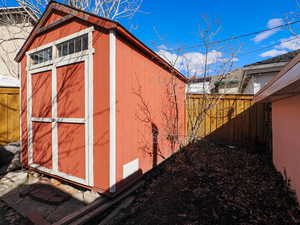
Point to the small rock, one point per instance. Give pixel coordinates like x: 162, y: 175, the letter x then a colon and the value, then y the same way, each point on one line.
x: 67, y: 188
x: 78, y: 195
x: 44, y: 180
x: 14, y: 178
x: 32, y: 180
x: 90, y: 196
x: 55, y: 182
x: 35, y: 174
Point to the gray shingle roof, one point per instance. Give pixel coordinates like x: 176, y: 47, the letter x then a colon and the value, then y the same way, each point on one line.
x: 281, y: 58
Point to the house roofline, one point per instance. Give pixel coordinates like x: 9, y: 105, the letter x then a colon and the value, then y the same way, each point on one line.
x: 264, y: 66
x: 100, y: 22
x: 26, y: 9
x: 263, y: 94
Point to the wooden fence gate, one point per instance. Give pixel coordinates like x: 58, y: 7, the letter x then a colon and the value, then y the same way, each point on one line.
x: 9, y: 115
x: 228, y: 118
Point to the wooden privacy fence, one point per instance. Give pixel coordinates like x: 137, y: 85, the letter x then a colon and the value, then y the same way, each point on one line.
x: 227, y: 118
x: 9, y: 115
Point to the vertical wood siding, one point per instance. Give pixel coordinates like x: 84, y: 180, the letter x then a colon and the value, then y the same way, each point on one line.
x: 9, y: 115
x: 228, y: 118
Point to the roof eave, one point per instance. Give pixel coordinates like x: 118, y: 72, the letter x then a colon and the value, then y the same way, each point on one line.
x: 110, y: 25
x: 286, y: 77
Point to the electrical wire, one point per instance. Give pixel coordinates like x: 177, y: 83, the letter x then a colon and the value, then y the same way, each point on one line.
x: 236, y: 37
x: 268, y: 46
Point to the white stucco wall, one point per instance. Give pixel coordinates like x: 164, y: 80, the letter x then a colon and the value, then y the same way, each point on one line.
x: 14, y: 37
x: 9, y: 81
x: 250, y: 87
x: 261, y: 81
x: 229, y: 90
x: 257, y: 82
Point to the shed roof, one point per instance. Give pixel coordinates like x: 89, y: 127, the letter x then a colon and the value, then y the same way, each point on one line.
x: 286, y: 83
x: 97, y: 21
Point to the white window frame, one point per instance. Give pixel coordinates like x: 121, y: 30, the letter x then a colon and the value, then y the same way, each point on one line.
x: 74, y: 40
x: 42, y: 63
x: 86, y: 57
x: 55, y: 58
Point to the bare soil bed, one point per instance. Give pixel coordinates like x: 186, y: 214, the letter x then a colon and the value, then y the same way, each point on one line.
x: 209, y: 184
x: 9, y: 216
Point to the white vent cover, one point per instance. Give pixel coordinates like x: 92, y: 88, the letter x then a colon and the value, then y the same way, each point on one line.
x: 130, y: 168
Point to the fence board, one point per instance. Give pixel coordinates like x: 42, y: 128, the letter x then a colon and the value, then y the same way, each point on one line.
x: 9, y: 115
x: 229, y: 118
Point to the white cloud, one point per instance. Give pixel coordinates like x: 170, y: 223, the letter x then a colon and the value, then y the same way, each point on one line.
x: 286, y: 44
x: 162, y: 46
x: 227, y: 60
x: 171, y: 58
x: 273, y: 52
x: 271, y: 24
x: 193, y: 62
x: 291, y: 43
x: 275, y: 22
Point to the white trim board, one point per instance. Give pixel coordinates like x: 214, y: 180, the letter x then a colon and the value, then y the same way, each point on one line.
x: 54, y: 132
x: 90, y: 103
x: 112, y: 111
x: 39, y: 119
x: 71, y: 120
x: 60, y: 174
x: 287, y: 79
x: 20, y: 109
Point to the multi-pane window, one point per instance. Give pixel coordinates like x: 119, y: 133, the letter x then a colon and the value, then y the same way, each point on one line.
x: 77, y: 44
x: 41, y: 56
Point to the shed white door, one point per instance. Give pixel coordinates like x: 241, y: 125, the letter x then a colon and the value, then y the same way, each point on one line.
x: 59, y: 120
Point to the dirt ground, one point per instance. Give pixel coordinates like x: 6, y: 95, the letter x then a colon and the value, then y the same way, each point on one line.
x: 207, y: 184
x: 9, y: 216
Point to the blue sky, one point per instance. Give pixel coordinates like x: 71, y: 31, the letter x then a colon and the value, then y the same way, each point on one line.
x: 176, y: 24
x: 172, y: 24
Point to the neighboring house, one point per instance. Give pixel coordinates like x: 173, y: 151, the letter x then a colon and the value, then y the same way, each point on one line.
x: 246, y: 80
x: 283, y: 91
x: 9, y: 82
x: 258, y: 74
x: 15, y: 25
x: 199, y: 86
x: 97, y: 104
x: 227, y: 84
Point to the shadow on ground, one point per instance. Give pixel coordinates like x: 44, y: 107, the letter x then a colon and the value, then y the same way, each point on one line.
x: 210, y: 184
x: 36, y: 198
x: 9, y: 157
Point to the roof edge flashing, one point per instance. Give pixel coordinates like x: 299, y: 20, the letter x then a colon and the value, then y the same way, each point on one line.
x: 284, y: 81
x: 264, y: 66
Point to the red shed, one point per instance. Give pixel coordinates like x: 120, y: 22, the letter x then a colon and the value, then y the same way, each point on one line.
x: 98, y: 107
